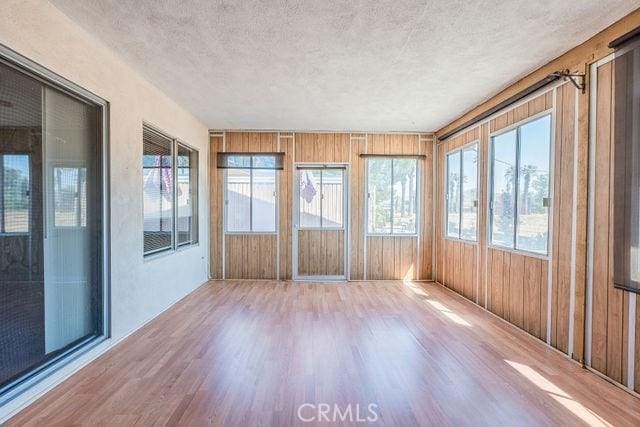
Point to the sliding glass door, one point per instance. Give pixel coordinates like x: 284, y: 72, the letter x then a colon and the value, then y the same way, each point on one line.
x: 50, y: 224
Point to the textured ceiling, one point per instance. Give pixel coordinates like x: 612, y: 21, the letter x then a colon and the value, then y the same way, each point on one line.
x: 389, y: 65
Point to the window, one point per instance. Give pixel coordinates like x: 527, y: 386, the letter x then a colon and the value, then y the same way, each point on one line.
x: 392, y: 195
x: 321, y: 203
x: 250, y: 194
x: 14, y: 203
x: 170, y: 211
x: 519, y: 209
x: 187, y: 195
x: 70, y: 196
x: 462, y: 193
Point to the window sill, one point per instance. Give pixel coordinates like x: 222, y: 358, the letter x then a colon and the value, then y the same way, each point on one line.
x: 391, y: 235
x: 459, y: 239
x: 530, y: 254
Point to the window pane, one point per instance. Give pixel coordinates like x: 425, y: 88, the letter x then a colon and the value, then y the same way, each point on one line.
x: 309, y: 204
x: 187, y: 194
x: 332, y: 198
x: 404, y: 196
x: 379, y: 187
x: 469, y: 192
x: 264, y: 200
x: 503, y: 195
x: 533, y: 185
x: 239, y: 161
x: 453, y: 195
x: 158, y: 192
x: 16, y: 193
x: 238, y: 200
x: 69, y: 196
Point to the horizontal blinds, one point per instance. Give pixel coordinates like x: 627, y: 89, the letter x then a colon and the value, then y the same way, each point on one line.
x: 158, y: 191
x: 266, y: 160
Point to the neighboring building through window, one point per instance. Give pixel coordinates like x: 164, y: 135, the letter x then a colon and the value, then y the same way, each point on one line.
x: 321, y: 204
x: 462, y: 193
x: 392, y: 195
x: 519, y: 207
x: 250, y: 183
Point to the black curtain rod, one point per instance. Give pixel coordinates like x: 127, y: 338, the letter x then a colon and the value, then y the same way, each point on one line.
x: 507, y: 102
x: 625, y: 38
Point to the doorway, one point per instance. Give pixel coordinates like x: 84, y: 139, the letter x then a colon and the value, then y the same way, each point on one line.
x: 320, y: 222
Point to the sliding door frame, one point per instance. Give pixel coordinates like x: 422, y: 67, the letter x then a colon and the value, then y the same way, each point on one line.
x: 24, y: 65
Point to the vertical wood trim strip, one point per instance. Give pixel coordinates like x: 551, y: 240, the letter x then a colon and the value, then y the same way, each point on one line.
x: 574, y: 221
x: 554, y: 113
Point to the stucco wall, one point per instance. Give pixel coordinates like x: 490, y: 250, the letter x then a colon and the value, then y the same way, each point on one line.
x: 140, y: 289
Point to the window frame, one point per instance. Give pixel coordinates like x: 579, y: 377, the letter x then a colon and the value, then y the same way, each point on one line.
x: 322, y: 168
x: 490, y: 185
x: 250, y: 169
x: 460, y: 150
x: 367, y: 195
x: 193, y: 189
x: 195, y: 241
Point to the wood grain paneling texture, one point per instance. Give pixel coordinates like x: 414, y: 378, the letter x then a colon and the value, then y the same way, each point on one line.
x: 320, y: 252
x: 412, y: 256
x: 513, y: 286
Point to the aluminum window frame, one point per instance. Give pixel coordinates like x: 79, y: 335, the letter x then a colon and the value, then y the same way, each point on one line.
x: 367, y: 195
x: 461, y: 150
x: 276, y: 195
x: 175, y: 246
x: 517, y: 127
x: 344, y: 201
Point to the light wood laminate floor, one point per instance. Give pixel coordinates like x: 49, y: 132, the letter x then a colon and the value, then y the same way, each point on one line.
x: 251, y: 352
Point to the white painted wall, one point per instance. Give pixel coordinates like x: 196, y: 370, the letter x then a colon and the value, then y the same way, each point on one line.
x: 139, y: 289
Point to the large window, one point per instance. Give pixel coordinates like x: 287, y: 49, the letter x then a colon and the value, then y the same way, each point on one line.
x: 51, y: 226
x: 519, y: 208
x: 392, y: 195
x: 250, y: 194
x: 170, y: 211
x: 462, y: 193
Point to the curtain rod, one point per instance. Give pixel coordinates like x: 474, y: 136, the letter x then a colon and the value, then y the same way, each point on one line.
x: 623, y: 39
x: 402, y: 156
x: 511, y: 100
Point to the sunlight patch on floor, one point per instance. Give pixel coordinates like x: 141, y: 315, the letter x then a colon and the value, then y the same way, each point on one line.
x: 559, y: 395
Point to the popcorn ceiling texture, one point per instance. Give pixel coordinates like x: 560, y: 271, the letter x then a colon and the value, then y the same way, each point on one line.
x: 383, y: 65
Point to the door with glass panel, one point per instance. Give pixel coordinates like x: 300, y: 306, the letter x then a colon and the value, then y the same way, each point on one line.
x: 51, y: 253
x: 320, y: 239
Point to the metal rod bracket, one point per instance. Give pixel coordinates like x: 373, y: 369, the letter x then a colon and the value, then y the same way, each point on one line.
x: 566, y: 75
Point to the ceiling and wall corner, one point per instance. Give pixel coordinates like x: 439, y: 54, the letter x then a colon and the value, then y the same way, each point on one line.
x: 376, y: 66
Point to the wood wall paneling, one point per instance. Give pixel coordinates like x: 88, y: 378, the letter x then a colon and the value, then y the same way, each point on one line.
x: 411, y: 256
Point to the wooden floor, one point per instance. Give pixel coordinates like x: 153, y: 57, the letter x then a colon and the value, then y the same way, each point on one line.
x: 250, y: 353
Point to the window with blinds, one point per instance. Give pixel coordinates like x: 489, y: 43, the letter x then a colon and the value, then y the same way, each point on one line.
x: 170, y: 188
x: 157, y: 172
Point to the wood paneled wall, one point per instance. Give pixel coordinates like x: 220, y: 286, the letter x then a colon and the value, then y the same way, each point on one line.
x: 563, y: 300
x: 515, y: 286
x: 370, y: 258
